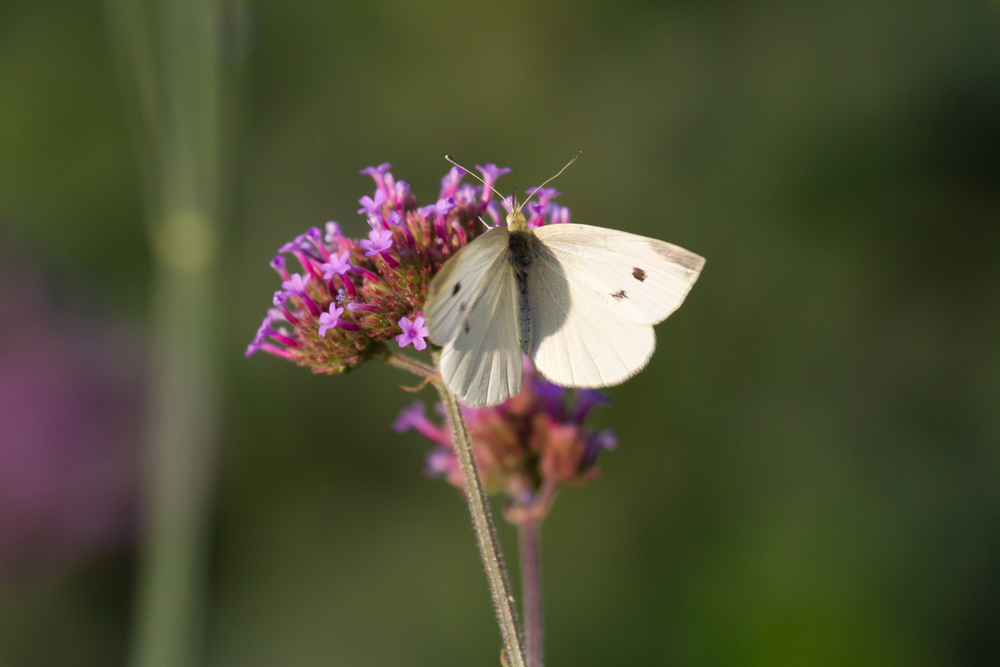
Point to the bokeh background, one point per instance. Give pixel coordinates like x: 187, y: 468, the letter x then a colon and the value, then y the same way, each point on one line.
x: 808, y: 470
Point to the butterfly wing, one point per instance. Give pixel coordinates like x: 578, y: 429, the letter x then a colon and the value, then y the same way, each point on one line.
x: 641, y: 279
x: 471, y: 311
x: 595, y: 294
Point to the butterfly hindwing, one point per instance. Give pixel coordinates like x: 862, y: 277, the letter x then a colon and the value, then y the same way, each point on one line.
x: 579, y: 340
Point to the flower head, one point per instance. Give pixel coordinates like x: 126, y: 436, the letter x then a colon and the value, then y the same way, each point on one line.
x: 374, y: 285
x: 527, y: 448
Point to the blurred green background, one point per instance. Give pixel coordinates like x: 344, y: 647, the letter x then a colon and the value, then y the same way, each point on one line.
x: 809, y: 468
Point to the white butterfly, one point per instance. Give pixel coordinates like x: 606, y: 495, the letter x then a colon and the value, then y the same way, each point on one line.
x: 580, y: 301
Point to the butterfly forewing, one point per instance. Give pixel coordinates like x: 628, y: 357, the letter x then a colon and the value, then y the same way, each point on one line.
x: 461, y: 281
x: 482, y: 364
x: 579, y: 340
x: 640, y: 279
x: 471, y: 312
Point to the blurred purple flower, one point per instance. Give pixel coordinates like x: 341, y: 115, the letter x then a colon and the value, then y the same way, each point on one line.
x: 70, y: 400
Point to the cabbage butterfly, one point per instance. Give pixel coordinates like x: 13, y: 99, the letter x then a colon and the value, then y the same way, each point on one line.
x: 580, y: 301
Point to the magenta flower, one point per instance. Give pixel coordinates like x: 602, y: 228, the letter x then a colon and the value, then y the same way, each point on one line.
x: 450, y: 182
x: 378, y: 241
x: 402, y: 190
x: 329, y: 320
x: 378, y: 174
x: 278, y: 264
x: 414, y: 417
x: 528, y: 448
x: 337, y: 266
x: 296, y: 285
x: 372, y: 207
x: 413, y: 332
x: 442, y: 207
x: 332, y: 232
x: 558, y: 215
x: 491, y: 173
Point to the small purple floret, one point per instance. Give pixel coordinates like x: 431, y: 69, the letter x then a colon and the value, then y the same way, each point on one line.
x: 378, y: 241
x: 337, y: 266
x: 329, y: 320
x: 411, y: 417
x: 296, y: 285
x: 278, y: 264
x: 377, y: 174
x: 332, y: 232
x: 587, y: 400
x: 296, y: 244
x: 413, y: 332
x: 439, y: 461
x: 450, y: 182
x: 442, y: 207
x: 372, y: 206
x: 491, y: 173
x: 402, y: 190
x: 558, y: 215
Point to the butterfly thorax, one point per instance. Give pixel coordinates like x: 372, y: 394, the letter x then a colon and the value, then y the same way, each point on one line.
x: 520, y: 253
x: 515, y: 219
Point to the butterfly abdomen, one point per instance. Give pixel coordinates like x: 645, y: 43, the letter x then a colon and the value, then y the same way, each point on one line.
x: 520, y: 255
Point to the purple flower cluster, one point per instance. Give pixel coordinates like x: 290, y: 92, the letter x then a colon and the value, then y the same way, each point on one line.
x: 352, y: 296
x: 527, y: 448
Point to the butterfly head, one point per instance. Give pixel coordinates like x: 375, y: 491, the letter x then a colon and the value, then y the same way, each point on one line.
x: 516, y: 219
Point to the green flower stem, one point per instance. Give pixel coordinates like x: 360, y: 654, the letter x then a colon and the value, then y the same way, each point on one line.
x: 410, y: 364
x: 172, y: 74
x: 489, y: 545
x: 531, y: 588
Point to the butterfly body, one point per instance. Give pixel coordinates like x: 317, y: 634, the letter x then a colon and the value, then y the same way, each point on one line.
x: 580, y: 301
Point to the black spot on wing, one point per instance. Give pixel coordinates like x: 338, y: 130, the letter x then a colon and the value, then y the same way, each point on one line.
x: 461, y: 307
x: 619, y: 295
x: 467, y: 326
x: 638, y: 274
x: 458, y: 286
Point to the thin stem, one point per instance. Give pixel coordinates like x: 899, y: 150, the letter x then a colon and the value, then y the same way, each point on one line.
x: 410, y: 364
x: 531, y: 588
x: 489, y: 545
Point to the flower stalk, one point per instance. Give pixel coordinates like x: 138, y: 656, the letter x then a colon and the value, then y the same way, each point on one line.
x: 489, y: 545
x: 528, y: 532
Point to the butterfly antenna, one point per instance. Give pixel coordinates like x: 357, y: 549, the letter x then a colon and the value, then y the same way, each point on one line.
x: 448, y: 158
x: 575, y: 157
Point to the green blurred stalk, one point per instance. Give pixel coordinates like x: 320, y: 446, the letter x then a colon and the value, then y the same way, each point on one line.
x: 171, y: 70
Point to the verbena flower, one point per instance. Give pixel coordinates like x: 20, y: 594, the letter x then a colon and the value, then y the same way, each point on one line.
x: 527, y: 448
x: 352, y: 298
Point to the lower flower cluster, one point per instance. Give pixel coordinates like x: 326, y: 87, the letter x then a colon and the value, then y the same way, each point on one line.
x: 526, y: 448
x: 351, y: 296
